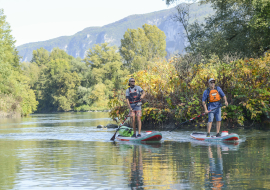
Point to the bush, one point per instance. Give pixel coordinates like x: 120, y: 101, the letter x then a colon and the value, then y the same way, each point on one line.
x: 174, y: 89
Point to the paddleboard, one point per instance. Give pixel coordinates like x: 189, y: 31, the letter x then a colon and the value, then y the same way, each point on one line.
x: 224, y: 137
x: 147, y: 136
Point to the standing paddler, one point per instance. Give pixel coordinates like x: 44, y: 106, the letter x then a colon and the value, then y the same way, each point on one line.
x: 213, y: 97
x: 134, y: 96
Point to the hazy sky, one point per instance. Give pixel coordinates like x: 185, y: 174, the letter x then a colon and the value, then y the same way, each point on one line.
x: 39, y: 20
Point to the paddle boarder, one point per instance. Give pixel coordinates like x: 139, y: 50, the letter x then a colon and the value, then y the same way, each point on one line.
x: 213, y: 96
x: 134, y: 95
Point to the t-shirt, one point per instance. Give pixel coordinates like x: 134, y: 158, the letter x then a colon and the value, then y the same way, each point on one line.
x: 212, y: 105
x: 138, y: 90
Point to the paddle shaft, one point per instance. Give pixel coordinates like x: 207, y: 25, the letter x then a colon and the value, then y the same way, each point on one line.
x: 194, y: 118
x: 113, y: 137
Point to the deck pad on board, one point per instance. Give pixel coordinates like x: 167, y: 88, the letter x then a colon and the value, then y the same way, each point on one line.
x: 202, y: 137
x: 153, y: 136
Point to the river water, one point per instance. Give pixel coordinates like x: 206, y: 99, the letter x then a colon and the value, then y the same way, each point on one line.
x: 67, y: 151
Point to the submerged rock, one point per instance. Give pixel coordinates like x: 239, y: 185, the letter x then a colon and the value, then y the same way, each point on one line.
x: 101, y: 126
x: 112, y: 126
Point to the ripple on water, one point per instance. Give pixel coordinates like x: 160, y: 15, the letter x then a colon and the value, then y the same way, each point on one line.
x: 67, y: 151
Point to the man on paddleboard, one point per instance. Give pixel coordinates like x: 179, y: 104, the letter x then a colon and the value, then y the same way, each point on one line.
x: 134, y: 95
x: 213, y: 96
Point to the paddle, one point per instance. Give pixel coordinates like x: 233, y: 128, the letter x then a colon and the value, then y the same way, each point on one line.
x: 194, y: 118
x: 113, y: 137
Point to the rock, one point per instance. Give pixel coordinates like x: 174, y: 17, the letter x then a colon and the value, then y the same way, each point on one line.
x: 127, y: 125
x: 101, y: 126
x: 112, y: 126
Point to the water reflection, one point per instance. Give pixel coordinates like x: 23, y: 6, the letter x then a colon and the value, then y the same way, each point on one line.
x: 225, y: 146
x: 136, y: 155
x: 215, y: 170
x: 136, y: 178
x: 76, y: 155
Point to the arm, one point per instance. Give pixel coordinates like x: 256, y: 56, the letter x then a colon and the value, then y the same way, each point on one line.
x: 129, y: 107
x: 223, y: 95
x: 143, y: 95
x: 205, y: 108
x: 225, y: 99
x: 203, y: 101
x: 127, y: 100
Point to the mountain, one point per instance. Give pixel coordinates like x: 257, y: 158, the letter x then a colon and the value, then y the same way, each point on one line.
x: 78, y: 44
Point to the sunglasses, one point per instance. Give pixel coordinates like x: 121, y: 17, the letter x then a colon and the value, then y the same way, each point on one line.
x: 132, y: 81
x: 212, y: 82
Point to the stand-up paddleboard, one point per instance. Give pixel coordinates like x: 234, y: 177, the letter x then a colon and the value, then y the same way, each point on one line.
x: 147, y: 136
x: 224, y: 136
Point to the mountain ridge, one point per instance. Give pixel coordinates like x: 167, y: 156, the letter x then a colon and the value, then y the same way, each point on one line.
x: 78, y: 43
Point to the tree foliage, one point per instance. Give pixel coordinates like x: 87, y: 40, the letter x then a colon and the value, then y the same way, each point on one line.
x: 241, y: 27
x: 107, y: 72
x: 16, y: 95
x: 40, y: 56
x: 174, y: 90
x: 62, y: 82
x: 142, y: 45
x: 56, y: 86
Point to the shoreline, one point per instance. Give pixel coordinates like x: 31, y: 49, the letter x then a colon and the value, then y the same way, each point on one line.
x: 70, y: 111
x: 10, y: 114
x: 193, y: 126
x: 163, y: 125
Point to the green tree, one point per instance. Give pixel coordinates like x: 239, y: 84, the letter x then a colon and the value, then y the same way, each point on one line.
x: 142, y: 45
x: 241, y: 27
x: 14, y: 86
x: 64, y: 96
x: 31, y: 70
x: 57, y: 84
x: 106, y: 65
x: 84, y: 72
x: 107, y: 72
x: 84, y: 96
x: 40, y: 56
x: 8, y: 54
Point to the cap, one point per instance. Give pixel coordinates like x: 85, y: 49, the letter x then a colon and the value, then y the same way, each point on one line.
x: 211, y: 79
x: 129, y: 81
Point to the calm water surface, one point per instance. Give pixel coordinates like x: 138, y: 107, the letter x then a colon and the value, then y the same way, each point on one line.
x: 67, y: 151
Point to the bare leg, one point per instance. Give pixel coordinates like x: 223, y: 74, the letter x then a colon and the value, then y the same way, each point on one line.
x: 209, y: 126
x: 139, y: 124
x: 133, y: 124
x: 218, y: 126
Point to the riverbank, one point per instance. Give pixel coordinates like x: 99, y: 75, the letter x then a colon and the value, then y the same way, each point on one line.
x: 174, y: 93
x: 9, y: 114
x: 76, y: 111
x: 192, y: 125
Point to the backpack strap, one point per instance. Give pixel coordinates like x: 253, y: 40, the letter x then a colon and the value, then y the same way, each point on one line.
x: 207, y: 100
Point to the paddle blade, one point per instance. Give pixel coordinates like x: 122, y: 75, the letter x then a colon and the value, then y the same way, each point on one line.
x: 113, y: 137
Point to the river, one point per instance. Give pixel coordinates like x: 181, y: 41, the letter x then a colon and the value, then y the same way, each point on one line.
x: 68, y: 151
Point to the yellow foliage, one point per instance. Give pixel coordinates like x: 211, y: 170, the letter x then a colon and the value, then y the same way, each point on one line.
x: 178, y: 96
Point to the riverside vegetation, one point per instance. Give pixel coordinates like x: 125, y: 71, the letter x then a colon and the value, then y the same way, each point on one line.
x: 16, y: 96
x: 174, y: 90
x: 56, y: 81
x: 231, y: 46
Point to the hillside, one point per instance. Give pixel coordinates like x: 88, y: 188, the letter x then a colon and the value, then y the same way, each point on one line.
x: 77, y: 44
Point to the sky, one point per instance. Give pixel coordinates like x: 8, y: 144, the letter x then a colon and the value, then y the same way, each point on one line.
x: 39, y: 20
